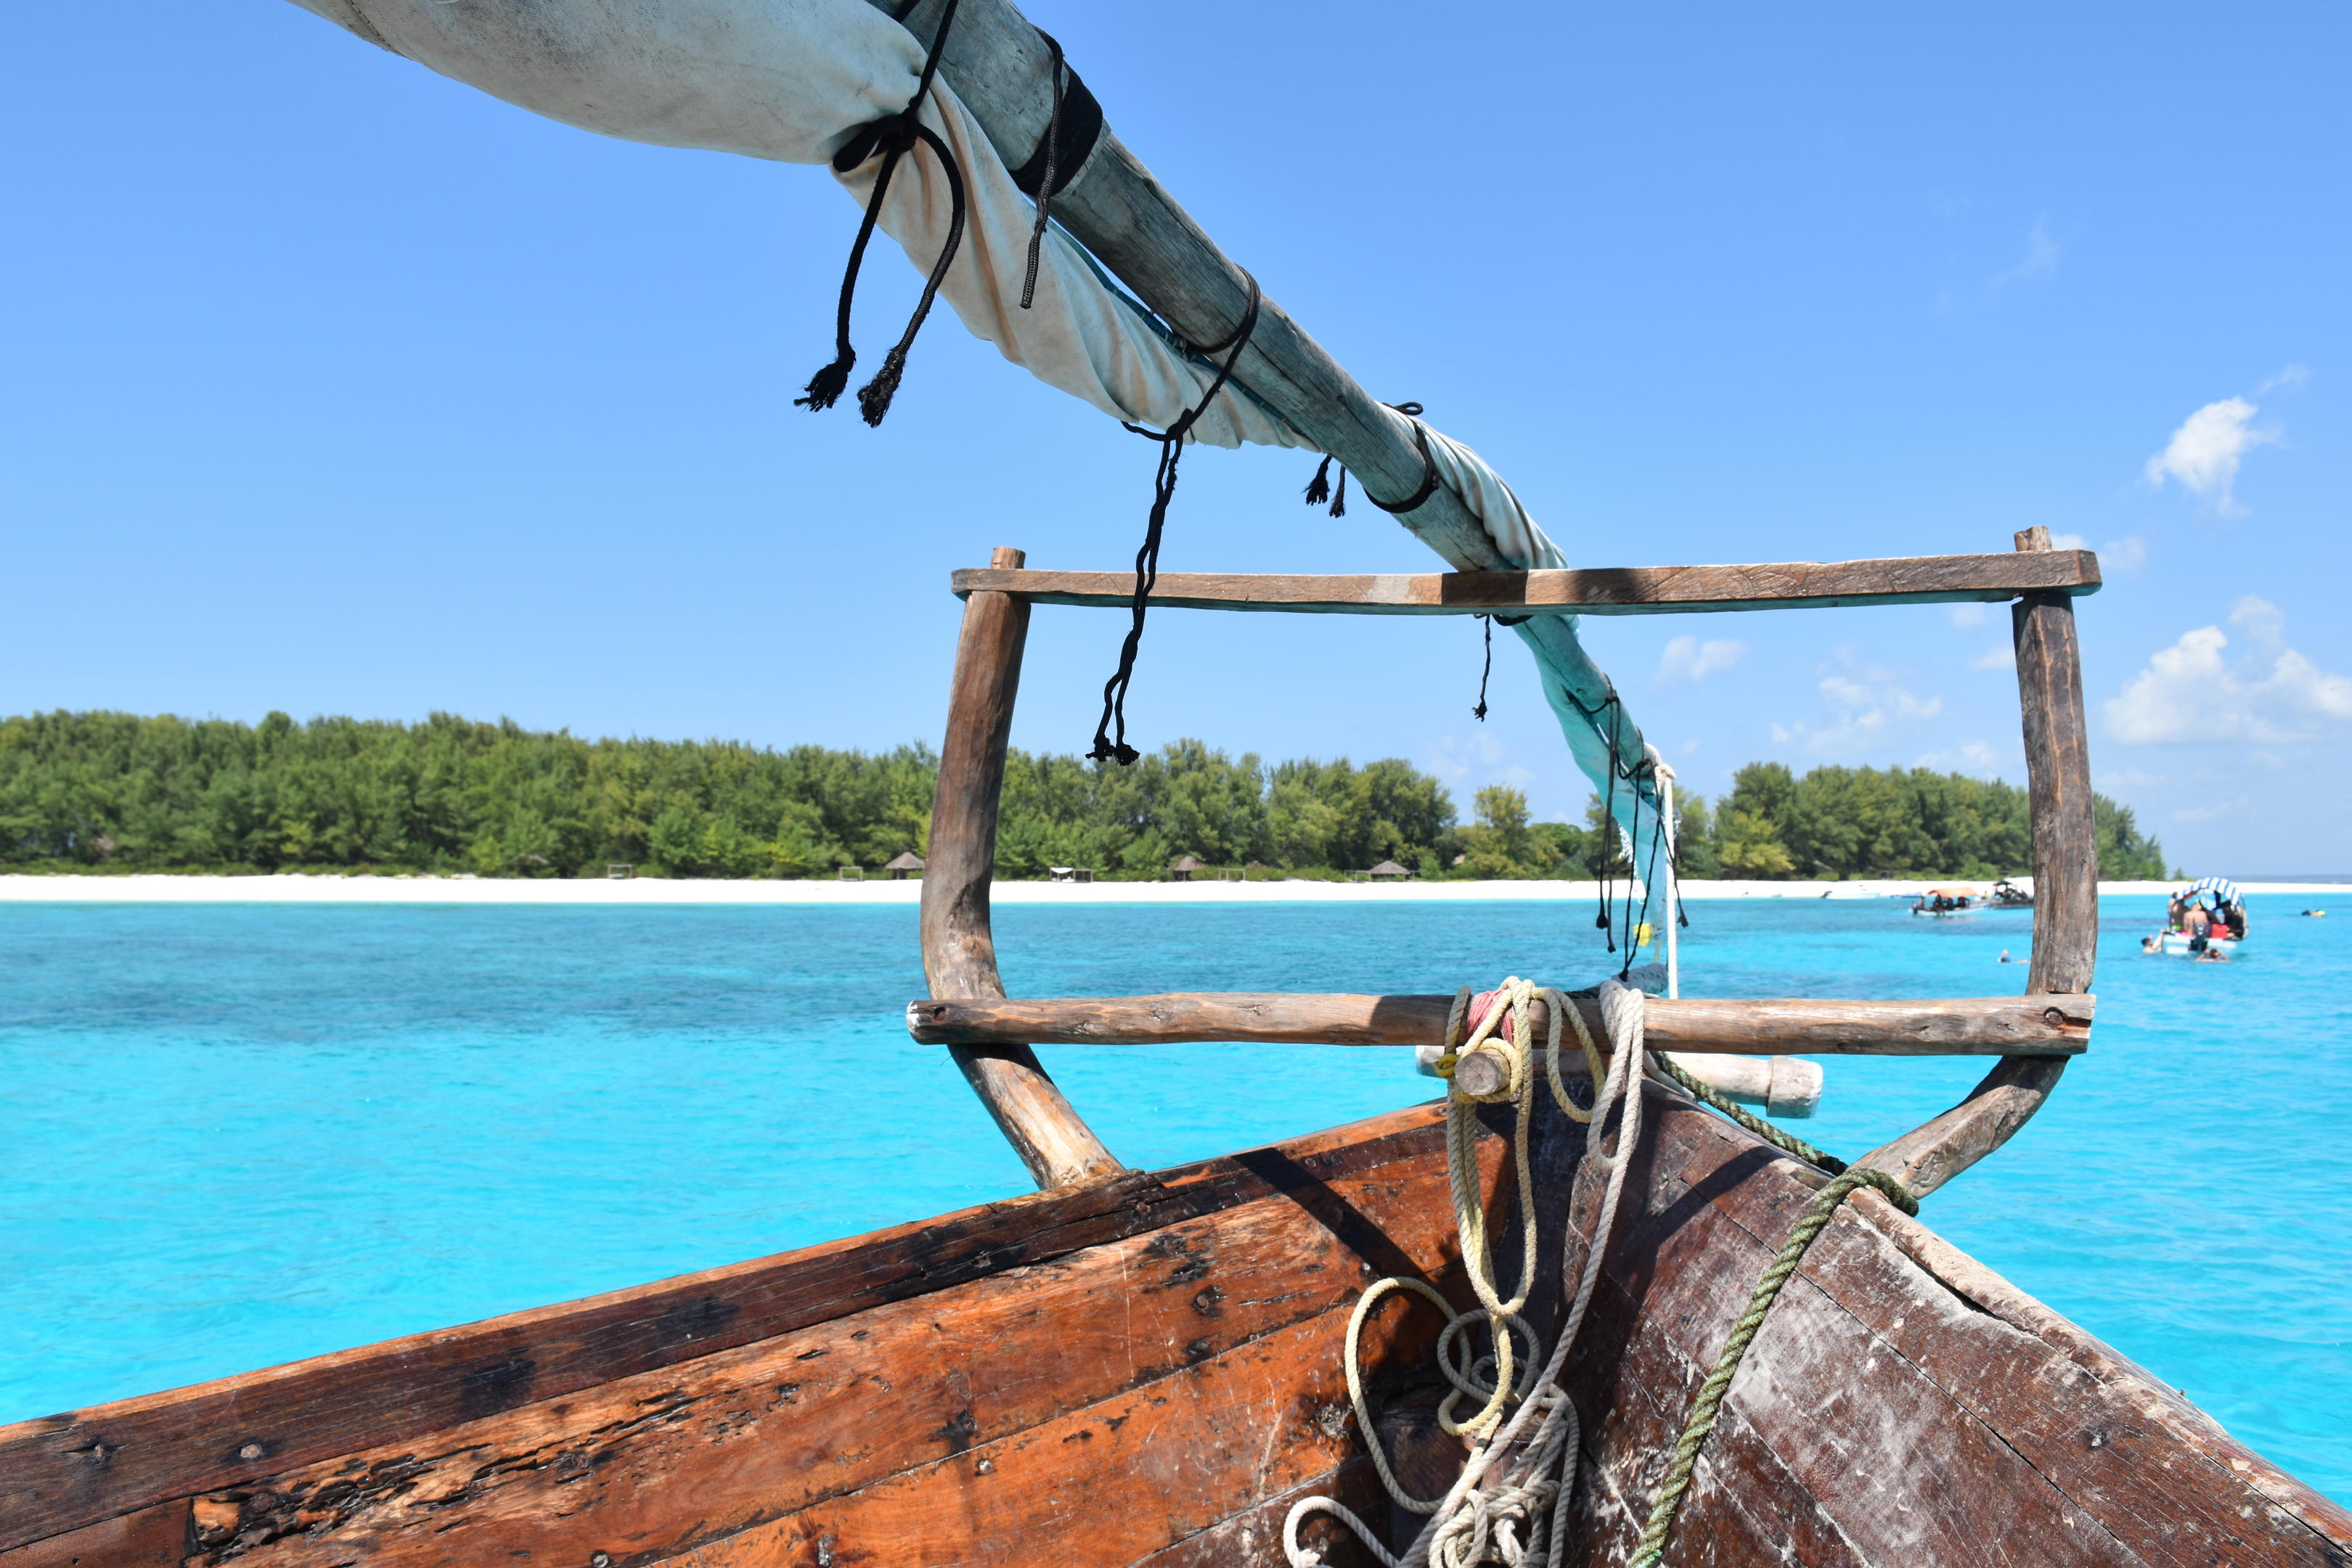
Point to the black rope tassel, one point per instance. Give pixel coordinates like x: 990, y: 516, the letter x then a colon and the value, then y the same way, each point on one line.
x: 1479, y: 712
x: 894, y: 137
x: 1110, y: 731
x: 1318, y: 489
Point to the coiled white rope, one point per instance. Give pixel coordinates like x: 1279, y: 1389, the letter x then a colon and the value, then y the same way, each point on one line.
x: 1509, y: 1504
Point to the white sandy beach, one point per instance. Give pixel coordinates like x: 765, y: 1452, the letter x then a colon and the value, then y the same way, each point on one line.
x: 395, y: 889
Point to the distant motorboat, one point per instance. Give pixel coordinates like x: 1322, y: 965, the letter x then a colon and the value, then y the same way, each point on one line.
x: 2007, y: 895
x: 2217, y: 930
x: 2180, y: 944
x: 1947, y: 903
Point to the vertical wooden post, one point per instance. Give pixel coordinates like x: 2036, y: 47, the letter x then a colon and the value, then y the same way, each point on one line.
x: 2065, y: 892
x: 2058, y: 781
x: 959, y: 949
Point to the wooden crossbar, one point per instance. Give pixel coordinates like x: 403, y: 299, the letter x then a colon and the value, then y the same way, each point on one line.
x: 1967, y: 1026
x: 1585, y: 591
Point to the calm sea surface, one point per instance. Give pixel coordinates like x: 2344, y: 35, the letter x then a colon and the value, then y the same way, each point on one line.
x: 245, y: 1133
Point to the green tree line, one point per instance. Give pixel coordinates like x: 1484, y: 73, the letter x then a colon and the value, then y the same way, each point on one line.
x: 120, y: 792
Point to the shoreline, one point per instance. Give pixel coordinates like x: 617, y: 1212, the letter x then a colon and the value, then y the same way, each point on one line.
x: 331, y: 889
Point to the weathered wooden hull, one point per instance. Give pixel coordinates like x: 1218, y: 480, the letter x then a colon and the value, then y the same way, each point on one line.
x: 1146, y: 1370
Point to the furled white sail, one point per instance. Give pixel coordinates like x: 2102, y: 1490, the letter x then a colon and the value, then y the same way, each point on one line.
x: 792, y: 80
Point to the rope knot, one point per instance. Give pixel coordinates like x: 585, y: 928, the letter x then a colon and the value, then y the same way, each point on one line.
x: 892, y: 137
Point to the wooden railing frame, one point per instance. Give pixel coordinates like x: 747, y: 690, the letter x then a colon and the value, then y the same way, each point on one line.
x: 1054, y: 1141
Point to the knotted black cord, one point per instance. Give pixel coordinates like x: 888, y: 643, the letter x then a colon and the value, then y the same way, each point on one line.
x: 1318, y: 489
x: 1608, y: 819
x: 894, y: 136
x: 1633, y: 866
x: 1046, y: 190
x: 1674, y: 870
x: 1650, y: 873
x: 1479, y: 712
x: 1106, y: 747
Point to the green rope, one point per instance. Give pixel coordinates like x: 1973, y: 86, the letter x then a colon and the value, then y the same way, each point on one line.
x: 1787, y: 1142
x: 1653, y: 1547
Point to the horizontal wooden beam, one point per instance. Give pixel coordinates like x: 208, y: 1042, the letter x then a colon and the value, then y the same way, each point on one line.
x: 1963, y: 1027
x: 1584, y: 591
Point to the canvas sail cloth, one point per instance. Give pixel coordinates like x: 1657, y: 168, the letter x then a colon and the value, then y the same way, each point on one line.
x: 791, y: 80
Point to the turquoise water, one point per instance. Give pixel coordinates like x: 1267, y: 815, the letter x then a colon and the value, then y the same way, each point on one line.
x: 245, y: 1133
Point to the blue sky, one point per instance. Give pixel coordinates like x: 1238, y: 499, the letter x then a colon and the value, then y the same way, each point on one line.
x: 337, y: 387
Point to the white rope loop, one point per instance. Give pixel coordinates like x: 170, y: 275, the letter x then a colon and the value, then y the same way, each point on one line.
x: 1509, y: 1504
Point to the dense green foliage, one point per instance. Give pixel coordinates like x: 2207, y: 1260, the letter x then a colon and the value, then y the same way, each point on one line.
x: 112, y: 790
x: 1868, y: 822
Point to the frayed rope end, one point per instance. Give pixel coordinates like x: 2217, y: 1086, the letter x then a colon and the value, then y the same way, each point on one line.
x: 873, y: 397
x: 825, y: 387
x: 1318, y: 489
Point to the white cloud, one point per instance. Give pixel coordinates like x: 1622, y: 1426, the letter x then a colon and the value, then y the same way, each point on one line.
x: 2042, y: 252
x: 1687, y: 659
x: 1454, y: 759
x: 1866, y: 710
x: 1970, y: 612
x: 2190, y: 693
x: 2205, y: 452
x: 2260, y: 620
x: 2291, y: 375
x: 2130, y: 778
x: 2126, y: 555
x: 2002, y: 655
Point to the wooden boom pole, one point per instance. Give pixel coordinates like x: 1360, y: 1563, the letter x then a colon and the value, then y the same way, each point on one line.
x: 1000, y: 66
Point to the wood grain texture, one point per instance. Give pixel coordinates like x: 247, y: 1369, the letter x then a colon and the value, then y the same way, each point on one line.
x: 2065, y: 886
x: 648, y: 1467
x: 64, y: 1472
x: 1889, y: 1412
x: 1110, y: 1482
x: 1588, y: 591
x: 1054, y: 1141
x: 157, y: 1536
x: 1974, y: 1026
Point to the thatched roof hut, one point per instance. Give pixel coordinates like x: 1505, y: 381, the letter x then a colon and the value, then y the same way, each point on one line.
x: 904, y: 863
x: 1388, y: 871
x: 1180, y: 869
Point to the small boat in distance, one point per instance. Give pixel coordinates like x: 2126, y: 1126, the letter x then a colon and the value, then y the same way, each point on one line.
x: 1947, y: 903
x: 2007, y: 895
x: 2206, y: 920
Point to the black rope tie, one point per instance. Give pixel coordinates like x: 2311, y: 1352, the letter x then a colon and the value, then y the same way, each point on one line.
x: 1046, y: 187
x: 1479, y: 712
x: 1633, y: 866
x: 1110, y: 731
x: 1605, y: 920
x: 1318, y: 489
x: 894, y: 136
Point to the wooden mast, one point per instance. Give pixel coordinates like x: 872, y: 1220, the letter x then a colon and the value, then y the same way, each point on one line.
x: 958, y: 948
